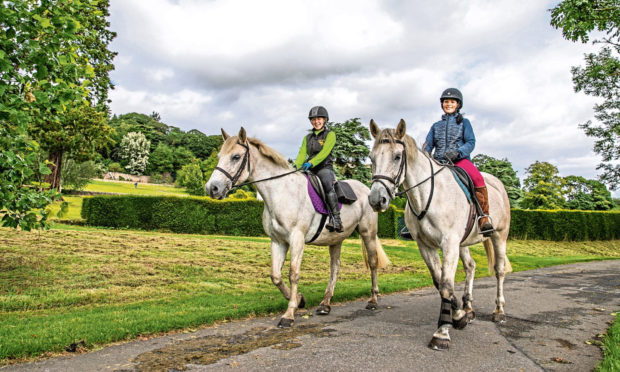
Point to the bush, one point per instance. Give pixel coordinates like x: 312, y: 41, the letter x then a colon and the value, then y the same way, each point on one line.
x: 564, y: 225
x: 76, y: 176
x: 115, y: 167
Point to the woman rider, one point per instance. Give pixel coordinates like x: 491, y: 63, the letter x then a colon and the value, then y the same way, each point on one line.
x: 453, y: 140
x: 315, y: 154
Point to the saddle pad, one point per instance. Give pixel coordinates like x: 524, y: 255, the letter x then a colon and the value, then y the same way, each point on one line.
x: 457, y: 177
x: 317, y: 202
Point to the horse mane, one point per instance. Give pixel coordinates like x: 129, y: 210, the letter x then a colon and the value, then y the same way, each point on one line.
x: 267, y: 151
x: 389, y: 134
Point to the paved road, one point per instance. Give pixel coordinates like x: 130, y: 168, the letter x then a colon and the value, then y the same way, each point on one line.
x: 551, y: 313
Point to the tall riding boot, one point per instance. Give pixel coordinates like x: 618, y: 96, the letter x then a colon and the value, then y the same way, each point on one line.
x: 486, y: 229
x: 332, y: 204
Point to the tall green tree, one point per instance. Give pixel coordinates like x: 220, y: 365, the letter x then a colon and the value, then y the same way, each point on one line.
x: 503, y: 170
x: 578, y: 20
x: 190, y: 176
x: 543, y: 187
x: 351, y: 151
x: 586, y: 194
x: 45, y: 66
x: 161, y: 160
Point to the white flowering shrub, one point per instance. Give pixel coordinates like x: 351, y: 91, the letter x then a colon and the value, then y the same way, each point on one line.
x: 135, y: 149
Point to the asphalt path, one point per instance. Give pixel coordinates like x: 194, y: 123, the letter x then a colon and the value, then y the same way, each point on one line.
x: 554, y: 318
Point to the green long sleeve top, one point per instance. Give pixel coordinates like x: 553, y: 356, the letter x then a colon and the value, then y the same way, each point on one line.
x: 330, y: 141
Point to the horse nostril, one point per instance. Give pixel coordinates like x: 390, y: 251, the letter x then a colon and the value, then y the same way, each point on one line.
x: 214, y: 188
x: 383, y: 200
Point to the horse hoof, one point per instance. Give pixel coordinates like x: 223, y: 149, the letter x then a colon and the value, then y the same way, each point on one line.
x: 285, y: 323
x: 499, y: 317
x: 471, y: 315
x: 323, y: 310
x: 440, y: 344
x: 302, y: 302
x: 371, y: 306
x: 460, y: 323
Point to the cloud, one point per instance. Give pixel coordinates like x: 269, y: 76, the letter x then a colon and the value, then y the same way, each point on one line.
x: 212, y: 64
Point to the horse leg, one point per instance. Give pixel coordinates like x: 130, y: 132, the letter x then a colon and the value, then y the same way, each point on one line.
x: 449, y: 305
x: 499, y: 246
x: 334, y: 256
x: 470, y: 270
x: 278, y: 255
x: 369, y: 239
x: 296, y: 246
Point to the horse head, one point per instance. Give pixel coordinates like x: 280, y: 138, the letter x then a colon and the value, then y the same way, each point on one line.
x: 389, y: 162
x: 233, y: 166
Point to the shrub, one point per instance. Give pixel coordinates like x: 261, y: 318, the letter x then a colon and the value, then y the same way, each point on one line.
x: 564, y: 225
x: 115, y: 167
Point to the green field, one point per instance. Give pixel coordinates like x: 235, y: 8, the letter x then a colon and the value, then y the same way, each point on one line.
x: 69, y: 284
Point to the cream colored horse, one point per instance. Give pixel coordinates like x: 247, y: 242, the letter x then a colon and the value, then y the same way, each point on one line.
x: 290, y: 220
x: 396, y: 161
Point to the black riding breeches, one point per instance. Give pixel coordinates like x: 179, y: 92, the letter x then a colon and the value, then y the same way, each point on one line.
x: 327, y: 177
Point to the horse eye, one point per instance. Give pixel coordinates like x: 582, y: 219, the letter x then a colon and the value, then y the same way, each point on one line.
x: 397, y: 157
x: 236, y: 157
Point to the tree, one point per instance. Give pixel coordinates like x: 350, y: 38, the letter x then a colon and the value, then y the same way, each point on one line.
x: 586, y: 194
x: 46, y: 64
x: 135, y: 150
x: 207, y: 166
x: 543, y: 187
x: 161, y: 160
x: 200, y: 144
x: 190, y: 177
x: 601, y: 75
x: 77, y: 175
x: 182, y: 156
x: 351, y: 151
x: 503, y: 170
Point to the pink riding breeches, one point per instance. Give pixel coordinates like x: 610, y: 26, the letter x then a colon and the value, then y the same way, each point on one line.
x: 473, y: 172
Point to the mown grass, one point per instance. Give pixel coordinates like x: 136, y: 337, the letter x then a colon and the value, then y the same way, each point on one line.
x: 64, y: 285
x: 611, y: 349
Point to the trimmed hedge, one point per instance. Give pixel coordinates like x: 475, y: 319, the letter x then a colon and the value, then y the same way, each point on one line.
x: 244, y: 217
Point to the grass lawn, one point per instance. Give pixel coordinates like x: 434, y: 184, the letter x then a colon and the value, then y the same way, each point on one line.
x: 611, y: 347
x: 69, y: 284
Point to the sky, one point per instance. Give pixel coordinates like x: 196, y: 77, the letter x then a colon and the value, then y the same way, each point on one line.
x: 262, y: 65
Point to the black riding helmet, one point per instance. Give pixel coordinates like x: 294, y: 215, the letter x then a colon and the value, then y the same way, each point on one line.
x: 318, y: 111
x: 452, y: 93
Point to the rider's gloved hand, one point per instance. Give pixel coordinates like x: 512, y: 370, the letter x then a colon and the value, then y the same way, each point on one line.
x: 306, y: 166
x: 452, y: 155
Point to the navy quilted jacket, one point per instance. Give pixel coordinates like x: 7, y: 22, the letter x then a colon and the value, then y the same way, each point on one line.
x: 448, y: 135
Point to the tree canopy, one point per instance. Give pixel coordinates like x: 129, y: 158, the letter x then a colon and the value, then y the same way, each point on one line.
x: 543, y: 187
x: 503, y: 170
x: 600, y: 77
x: 351, y: 151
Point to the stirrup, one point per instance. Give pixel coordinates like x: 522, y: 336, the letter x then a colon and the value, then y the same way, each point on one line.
x: 487, y: 232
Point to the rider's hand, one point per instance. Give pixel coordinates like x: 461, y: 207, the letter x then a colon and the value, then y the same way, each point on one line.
x: 306, y: 166
x: 452, y: 155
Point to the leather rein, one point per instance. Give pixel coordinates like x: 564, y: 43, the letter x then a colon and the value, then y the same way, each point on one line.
x: 246, y: 160
x: 402, y: 169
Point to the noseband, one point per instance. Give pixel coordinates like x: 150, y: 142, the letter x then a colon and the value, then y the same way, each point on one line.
x: 402, y: 169
x: 246, y: 159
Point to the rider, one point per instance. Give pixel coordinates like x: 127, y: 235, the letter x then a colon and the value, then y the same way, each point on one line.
x: 453, y: 140
x: 315, y: 154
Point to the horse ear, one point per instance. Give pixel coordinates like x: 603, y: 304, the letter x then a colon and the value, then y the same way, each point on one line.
x: 242, y: 135
x: 401, y: 129
x: 374, y: 128
x: 224, y: 134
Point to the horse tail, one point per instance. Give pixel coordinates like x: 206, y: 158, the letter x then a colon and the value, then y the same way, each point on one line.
x: 488, y: 247
x: 382, y: 259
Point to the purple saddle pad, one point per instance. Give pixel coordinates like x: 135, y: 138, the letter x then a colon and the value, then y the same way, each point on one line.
x: 318, y: 204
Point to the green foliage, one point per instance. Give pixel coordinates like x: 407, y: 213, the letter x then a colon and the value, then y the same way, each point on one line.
x: 207, y: 166
x: 180, y: 215
x: 564, y: 225
x: 201, y: 145
x: 503, y: 170
x: 611, y: 348
x: 76, y: 175
x: 190, y: 177
x: 600, y: 77
x: 586, y: 194
x: 543, y: 187
x: 161, y: 160
x: 115, y: 167
x: 351, y: 150
x: 182, y: 156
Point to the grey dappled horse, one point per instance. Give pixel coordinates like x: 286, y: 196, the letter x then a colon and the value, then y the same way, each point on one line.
x: 438, y: 222
x: 290, y: 220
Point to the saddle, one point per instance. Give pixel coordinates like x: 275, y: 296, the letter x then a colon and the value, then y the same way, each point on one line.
x: 467, y: 185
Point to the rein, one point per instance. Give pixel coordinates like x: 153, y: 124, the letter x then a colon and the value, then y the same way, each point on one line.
x: 402, y: 169
x: 246, y: 159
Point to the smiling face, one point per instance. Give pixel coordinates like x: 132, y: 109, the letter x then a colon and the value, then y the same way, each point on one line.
x: 449, y: 105
x: 318, y: 122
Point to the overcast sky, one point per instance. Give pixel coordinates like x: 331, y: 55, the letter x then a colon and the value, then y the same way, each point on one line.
x: 217, y: 64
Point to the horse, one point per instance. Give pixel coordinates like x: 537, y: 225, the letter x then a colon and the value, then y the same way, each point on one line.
x: 440, y: 225
x: 290, y: 220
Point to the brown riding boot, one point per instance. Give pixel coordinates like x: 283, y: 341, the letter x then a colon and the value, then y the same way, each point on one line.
x: 486, y: 229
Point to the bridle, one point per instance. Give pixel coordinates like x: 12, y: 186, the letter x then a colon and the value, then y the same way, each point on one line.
x: 246, y: 159
x: 402, y: 169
